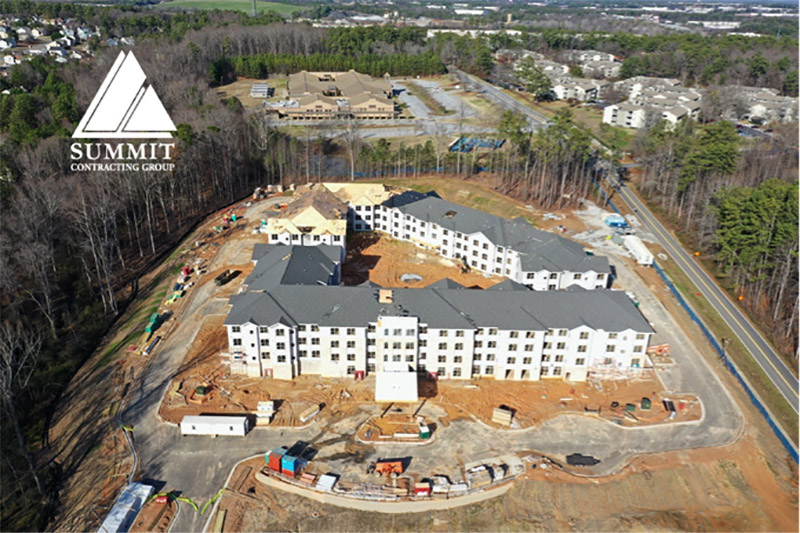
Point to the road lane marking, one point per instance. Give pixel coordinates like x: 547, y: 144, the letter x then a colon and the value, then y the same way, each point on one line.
x: 665, y: 237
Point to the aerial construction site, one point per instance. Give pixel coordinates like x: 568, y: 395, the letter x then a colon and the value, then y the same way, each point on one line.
x: 258, y: 396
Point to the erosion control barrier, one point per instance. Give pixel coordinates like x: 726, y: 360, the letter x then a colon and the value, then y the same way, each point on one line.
x: 730, y: 365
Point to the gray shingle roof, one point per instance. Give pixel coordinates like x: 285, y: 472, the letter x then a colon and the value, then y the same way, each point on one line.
x: 539, y: 250
x: 333, y: 306
x: 277, y: 264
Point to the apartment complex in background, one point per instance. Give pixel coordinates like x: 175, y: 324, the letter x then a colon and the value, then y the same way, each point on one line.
x: 337, y: 95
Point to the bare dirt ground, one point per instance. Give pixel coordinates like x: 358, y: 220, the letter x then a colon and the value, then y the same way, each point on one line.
x: 155, y: 517
x: 697, y: 490
x: 84, y: 437
x: 383, y: 260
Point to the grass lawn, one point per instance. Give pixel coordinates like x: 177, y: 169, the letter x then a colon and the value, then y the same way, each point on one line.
x: 232, y: 5
x: 466, y: 193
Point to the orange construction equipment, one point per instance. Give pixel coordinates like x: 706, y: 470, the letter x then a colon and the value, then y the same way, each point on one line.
x: 388, y: 467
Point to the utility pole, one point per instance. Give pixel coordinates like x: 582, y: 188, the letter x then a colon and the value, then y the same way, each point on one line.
x: 254, y: 8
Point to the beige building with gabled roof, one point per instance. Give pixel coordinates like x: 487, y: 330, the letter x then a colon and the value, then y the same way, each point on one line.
x: 317, y: 217
x: 336, y: 95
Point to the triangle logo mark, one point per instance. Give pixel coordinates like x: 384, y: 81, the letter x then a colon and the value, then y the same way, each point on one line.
x: 125, y: 107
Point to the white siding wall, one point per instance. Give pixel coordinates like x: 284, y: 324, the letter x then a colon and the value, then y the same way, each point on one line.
x: 402, y: 342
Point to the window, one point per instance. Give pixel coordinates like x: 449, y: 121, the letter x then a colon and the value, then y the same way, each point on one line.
x: 530, y: 275
x: 492, y: 331
x: 559, y: 358
x: 280, y: 345
x: 580, y: 361
x: 479, y: 331
x: 263, y: 329
x: 512, y: 347
x: 459, y: 346
x: 638, y: 349
x: 409, y: 346
x: 334, y: 344
x: 351, y: 357
x: 281, y: 358
x: 315, y: 341
x: 529, y: 347
x: 410, y: 332
x: 561, y: 345
x: 476, y: 370
x: 610, y: 348
x: 409, y: 359
x: 608, y: 361
x: 584, y: 335
x: 442, y: 345
x: 562, y: 333
x: 490, y: 357
x: 456, y: 372
x: 442, y: 359
x: 314, y: 329
x: 553, y: 276
x: 315, y: 354
x: 530, y: 334
x: 423, y: 329
x: 545, y: 358
x: 512, y: 360
x: 351, y: 331
x: 557, y: 371
x: 527, y: 360
x: 351, y: 370
x: 301, y: 327
x: 236, y: 329
x: 397, y: 345
x: 371, y: 328
x: 489, y: 370
x: 264, y: 342
x: 440, y: 371
x: 280, y: 332
x: 545, y: 371
x: 371, y: 367
x: 612, y: 335
x: 422, y: 343
x: 334, y: 357
x: 397, y: 332
x: 492, y: 344
x: 351, y: 344
x: 514, y: 334
x: 370, y: 342
x: 457, y: 359
x: 477, y: 357
x: 334, y: 331
x: 478, y: 344
x: 635, y: 362
x: 237, y: 342
x: 443, y: 333
x: 576, y: 276
x: 274, y: 236
x: 581, y: 349
x: 640, y: 336
x: 460, y: 333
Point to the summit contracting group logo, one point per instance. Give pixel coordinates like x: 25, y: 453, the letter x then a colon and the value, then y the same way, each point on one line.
x: 125, y: 107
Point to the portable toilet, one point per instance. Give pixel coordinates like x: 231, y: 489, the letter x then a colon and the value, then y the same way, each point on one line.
x: 274, y: 459
x: 424, y: 432
x: 289, y: 466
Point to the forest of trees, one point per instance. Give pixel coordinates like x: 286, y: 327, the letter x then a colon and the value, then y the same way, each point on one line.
x: 738, y: 202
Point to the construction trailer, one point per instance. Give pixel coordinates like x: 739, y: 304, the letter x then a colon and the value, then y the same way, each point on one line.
x: 214, y: 425
x: 640, y: 252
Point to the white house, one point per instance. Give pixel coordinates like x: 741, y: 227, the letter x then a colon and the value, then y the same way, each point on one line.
x: 581, y: 89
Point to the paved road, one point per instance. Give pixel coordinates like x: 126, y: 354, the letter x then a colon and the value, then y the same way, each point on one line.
x: 417, y: 107
x: 780, y: 374
x: 499, y: 97
x: 449, y: 100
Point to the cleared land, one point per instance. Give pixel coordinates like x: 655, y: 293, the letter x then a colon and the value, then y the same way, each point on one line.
x: 232, y: 5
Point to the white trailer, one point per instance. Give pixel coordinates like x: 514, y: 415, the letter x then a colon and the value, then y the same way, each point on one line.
x: 237, y: 426
x: 640, y: 252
